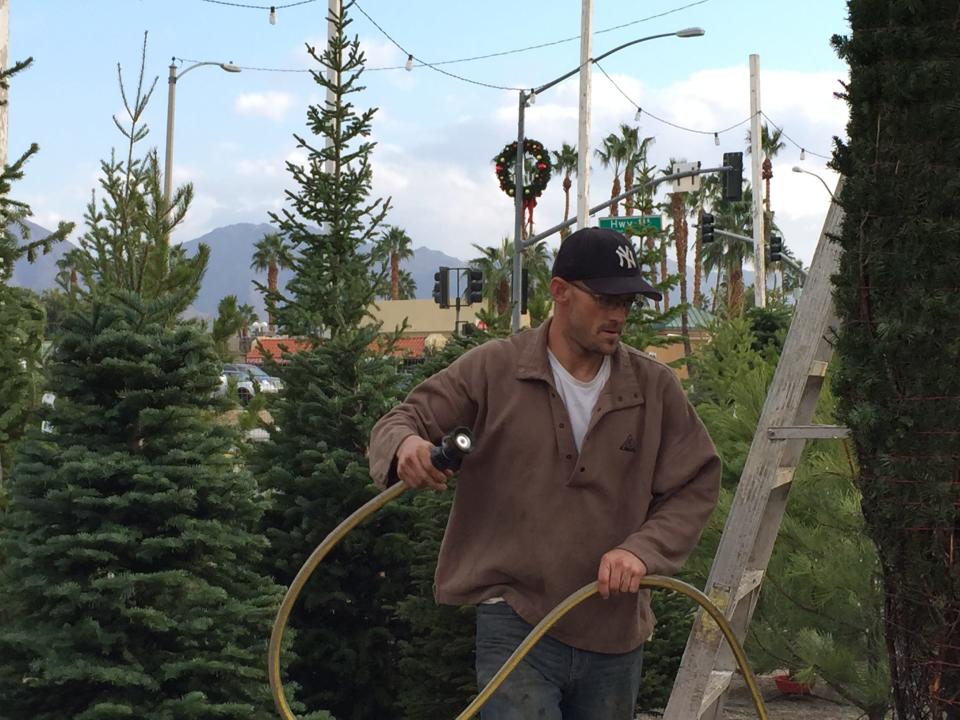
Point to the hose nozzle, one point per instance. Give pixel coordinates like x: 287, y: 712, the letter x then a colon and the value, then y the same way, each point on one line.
x: 452, y: 449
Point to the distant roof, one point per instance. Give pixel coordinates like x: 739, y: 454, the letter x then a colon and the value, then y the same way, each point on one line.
x: 407, y: 347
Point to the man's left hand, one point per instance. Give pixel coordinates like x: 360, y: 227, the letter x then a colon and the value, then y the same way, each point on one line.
x: 620, y: 572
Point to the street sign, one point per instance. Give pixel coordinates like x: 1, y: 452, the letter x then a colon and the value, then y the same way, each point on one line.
x: 636, y: 221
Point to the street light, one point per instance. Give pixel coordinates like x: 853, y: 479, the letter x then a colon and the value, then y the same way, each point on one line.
x: 798, y: 169
x: 171, y: 104
x: 528, y: 98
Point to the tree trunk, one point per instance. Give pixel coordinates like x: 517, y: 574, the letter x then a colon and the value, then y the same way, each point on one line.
x: 735, y: 304
x: 614, y: 191
x: 664, y: 272
x: 627, y: 184
x: 503, y: 297
x: 394, y: 276
x: 272, y: 274
x: 567, y: 184
x: 680, y: 245
x: 716, y: 291
x: 651, y: 248
x: 697, y: 271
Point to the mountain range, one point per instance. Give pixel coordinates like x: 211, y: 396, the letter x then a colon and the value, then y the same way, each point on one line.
x: 229, y: 272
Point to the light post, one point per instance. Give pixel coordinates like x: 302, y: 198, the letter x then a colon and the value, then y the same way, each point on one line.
x: 798, y: 169
x: 171, y: 105
x: 527, y: 98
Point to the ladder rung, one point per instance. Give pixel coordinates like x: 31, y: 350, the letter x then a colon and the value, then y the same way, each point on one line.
x: 808, y: 432
x: 750, y: 582
x: 818, y: 368
x: 783, y: 476
x: 716, y: 686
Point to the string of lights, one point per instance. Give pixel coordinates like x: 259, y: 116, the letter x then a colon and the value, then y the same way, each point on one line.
x: 716, y: 133
x: 274, y: 8
x: 414, y: 61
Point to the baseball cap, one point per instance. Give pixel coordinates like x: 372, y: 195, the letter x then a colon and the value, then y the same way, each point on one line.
x: 604, y: 261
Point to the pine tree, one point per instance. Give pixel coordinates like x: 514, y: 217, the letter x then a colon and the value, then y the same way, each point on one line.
x: 21, y: 314
x: 335, y: 280
x: 899, y: 335
x: 132, y: 535
x: 313, y: 468
x: 315, y: 474
x: 437, y: 661
x: 821, y: 607
x: 132, y: 542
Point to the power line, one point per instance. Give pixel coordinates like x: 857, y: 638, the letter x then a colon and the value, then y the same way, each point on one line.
x: 259, y: 7
x: 429, y: 65
x: 473, y: 58
x: 715, y: 133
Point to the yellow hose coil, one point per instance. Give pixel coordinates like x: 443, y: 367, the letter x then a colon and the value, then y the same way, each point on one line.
x: 393, y: 492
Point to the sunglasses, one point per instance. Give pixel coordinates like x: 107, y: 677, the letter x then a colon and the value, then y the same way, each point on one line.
x: 608, y: 302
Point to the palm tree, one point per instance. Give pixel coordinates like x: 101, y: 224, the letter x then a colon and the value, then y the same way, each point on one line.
x: 613, y: 154
x: 770, y: 145
x: 644, y: 173
x: 497, y: 266
x: 736, y: 217
x: 565, y: 161
x: 634, y: 149
x: 406, y: 286
x: 271, y: 254
x: 398, y: 244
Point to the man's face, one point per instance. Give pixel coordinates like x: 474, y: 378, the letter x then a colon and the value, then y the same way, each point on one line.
x: 595, y: 322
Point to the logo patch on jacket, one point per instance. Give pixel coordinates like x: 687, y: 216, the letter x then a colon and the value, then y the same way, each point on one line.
x: 629, y: 445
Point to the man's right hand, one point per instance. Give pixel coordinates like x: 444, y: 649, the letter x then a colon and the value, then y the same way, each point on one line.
x: 414, y: 467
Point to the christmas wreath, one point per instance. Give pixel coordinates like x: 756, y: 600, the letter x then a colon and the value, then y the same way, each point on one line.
x: 536, y: 184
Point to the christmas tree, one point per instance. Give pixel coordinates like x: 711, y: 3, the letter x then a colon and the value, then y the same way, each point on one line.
x: 313, y: 469
x: 131, y: 541
x: 899, y: 336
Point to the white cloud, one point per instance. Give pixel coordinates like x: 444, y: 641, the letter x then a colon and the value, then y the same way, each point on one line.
x: 271, y: 104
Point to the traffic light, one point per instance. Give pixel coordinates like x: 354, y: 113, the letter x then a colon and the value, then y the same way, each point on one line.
x: 706, y: 228
x: 441, y: 287
x: 776, y: 249
x: 524, y: 289
x: 474, y: 286
x: 733, y: 178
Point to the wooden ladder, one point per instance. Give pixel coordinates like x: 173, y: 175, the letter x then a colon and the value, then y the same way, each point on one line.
x: 757, y: 510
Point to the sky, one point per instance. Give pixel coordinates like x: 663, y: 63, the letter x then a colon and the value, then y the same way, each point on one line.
x: 435, y: 134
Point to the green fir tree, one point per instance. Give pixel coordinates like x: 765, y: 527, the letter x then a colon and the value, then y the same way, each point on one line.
x: 21, y: 314
x: 331, y: 217
x: 313, y: 469
x: 132, y: 548
x: 899, y: 335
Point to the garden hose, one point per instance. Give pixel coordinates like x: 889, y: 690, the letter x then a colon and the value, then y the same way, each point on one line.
x: 393, y: 492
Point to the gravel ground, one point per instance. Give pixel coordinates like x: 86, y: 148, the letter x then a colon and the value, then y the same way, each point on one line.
x: 822, y: 705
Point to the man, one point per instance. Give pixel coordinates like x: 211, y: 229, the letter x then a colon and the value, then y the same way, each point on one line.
x: 589, y: 464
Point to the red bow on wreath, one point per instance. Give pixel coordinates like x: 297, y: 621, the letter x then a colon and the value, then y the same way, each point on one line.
x: 529, y: 204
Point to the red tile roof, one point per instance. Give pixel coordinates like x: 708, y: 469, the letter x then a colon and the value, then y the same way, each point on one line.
x: 407, y: 347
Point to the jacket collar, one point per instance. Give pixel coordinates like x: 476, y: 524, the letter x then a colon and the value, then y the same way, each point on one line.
x: 534, y: 364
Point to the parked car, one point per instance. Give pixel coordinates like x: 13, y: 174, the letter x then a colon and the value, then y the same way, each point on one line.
x: 250, y: 379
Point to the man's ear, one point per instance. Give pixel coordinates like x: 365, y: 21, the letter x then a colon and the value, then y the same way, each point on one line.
x: 559, y: 290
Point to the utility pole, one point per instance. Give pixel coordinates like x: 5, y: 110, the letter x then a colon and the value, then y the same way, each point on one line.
x: 333, y: 10
x: 759, y: 248
x: 4, y: 110
x: 583, y: 134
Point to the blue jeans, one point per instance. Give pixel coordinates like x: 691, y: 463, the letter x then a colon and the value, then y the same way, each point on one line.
x: 554, y: 681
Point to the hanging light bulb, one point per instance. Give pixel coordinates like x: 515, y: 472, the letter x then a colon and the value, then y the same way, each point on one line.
x: 636, y: 118
x: 716, y: 138
x: 803, y: 154
x: 409, y: 64
x: 531, y: 98
x: 273, y: 15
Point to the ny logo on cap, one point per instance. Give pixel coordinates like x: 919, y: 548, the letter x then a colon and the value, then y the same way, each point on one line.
x: 625, y: 255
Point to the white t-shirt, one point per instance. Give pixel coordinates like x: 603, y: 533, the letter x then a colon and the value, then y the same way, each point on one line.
x: 579, y: 397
